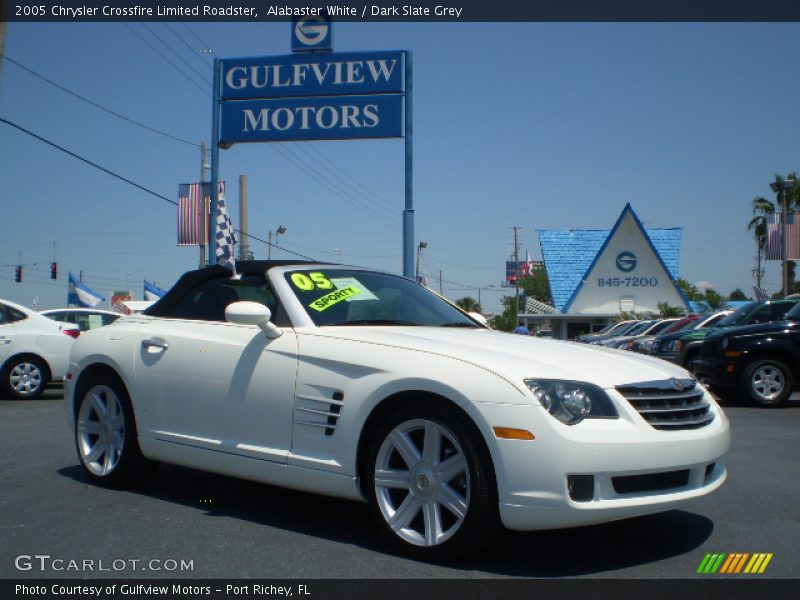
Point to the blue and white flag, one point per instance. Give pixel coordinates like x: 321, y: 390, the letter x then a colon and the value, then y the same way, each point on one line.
x: 225, y: 238
x: 152, y: 291
x: 80, y: 294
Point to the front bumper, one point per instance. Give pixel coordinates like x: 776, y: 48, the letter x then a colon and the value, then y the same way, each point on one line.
x: 717, y: 371
x: 668, y: 469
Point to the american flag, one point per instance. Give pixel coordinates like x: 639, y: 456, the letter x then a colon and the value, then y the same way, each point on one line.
x: 774, y: 237
x: 225, y: 237
x: 194, y: 200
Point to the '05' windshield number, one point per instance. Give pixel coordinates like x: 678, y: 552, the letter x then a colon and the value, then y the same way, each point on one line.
x: 312, y: 281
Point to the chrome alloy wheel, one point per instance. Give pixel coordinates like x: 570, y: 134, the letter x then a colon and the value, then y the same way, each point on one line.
x: 100, y: 430
x: 768, y: 382
x: 26, y: 379
x: 422, y: 482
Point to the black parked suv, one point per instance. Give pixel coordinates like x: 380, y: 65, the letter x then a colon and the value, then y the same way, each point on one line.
x: 761, y: 361
x: 683, y: 347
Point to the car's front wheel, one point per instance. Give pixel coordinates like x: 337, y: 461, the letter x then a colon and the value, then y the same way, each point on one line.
x: 105, y: 435
x: 431, y: 484
x: 767, y: 382
x: 25, y: 377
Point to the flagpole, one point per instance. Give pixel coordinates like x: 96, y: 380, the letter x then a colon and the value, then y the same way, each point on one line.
x: 212, y: 223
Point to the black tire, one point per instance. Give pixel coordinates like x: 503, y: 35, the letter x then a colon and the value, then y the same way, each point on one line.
x: 767, y: 382
x: 468, y: 485
x: 105, y: 435
x: 25, y: 377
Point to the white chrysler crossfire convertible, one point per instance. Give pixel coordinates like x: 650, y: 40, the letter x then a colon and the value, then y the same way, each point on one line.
x: 366, y: 385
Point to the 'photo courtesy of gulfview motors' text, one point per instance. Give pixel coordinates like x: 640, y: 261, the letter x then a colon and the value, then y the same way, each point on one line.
x: 299, y: 293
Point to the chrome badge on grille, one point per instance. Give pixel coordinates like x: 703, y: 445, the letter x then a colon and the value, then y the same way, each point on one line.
x: 681, y: 384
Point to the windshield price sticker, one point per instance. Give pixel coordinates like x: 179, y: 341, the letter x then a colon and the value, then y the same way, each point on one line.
x: 343, y: 282
x: 312, y: 281
x: 328, y: 300
x: 628, y: 282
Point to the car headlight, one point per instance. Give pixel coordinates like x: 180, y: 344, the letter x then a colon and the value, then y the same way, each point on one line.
x: 572, y: 401
x: 673, y: 346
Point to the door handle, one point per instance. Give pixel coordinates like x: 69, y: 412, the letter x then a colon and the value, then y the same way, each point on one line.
x: 155, y: 345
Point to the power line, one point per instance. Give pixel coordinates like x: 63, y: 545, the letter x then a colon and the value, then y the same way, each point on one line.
x: 195, y: 53
x: 363, y: 191
x: 172, y: 64
x: 317, y: 176
x: 95, y: 104
x: 87, y: 161
x: 206, y: 46
x: 178, y: 56
x: 128, y: 181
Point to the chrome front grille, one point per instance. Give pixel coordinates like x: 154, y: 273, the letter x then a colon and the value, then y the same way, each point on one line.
x: 669, y: 405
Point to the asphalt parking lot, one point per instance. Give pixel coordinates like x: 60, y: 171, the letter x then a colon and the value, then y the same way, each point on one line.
x: 228, y: 528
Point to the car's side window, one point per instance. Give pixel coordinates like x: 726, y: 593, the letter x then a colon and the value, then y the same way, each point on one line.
x: 765, y: 314
x: 15, y: 315
x: 207, y: 302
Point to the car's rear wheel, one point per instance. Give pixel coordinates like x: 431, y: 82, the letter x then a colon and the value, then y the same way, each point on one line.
x: 767, y: 382
x: 431, y: 485
x: 105, y: 435
x: 25, y: 377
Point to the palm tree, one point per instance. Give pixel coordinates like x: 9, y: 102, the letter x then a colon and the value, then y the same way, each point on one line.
x: 758, y: 225
x: 469, y: 304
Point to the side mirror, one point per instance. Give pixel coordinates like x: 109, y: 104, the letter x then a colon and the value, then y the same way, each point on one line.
x: 253, y: 313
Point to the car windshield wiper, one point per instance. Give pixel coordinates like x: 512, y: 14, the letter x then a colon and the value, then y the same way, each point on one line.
x: 372, y: 322
x: 459, y: 324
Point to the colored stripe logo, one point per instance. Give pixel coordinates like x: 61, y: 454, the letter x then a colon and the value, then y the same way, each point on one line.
x: 735, y: 563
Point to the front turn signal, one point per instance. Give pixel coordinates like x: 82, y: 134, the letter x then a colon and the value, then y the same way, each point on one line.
x: 508, y: 433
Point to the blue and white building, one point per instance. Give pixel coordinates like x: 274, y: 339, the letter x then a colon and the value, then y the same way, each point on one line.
x: 596, y: 275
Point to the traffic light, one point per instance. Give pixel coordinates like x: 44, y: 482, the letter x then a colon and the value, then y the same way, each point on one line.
x: 18, y: 274
x: 53, y: 270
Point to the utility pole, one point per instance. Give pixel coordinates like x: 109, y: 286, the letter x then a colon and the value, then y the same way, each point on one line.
x: 441, y: 287
x: 202, y: 203
x: 516, y: 279
x: 244, y: 246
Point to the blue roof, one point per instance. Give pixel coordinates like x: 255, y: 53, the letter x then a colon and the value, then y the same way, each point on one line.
x: 569, y: 253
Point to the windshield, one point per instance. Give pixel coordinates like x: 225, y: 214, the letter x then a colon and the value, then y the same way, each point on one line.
x: 660, y: 326
x: 353, y: 297
x: 794, y: 314
x: 639, y: 327
x: 737, y: 315
x: 625, y: 328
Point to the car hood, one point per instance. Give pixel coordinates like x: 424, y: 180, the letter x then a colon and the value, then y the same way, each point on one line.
x: 515, y: 357
x: 758, y: 329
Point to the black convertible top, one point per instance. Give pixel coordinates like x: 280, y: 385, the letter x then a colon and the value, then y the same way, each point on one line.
x: 191, y: 279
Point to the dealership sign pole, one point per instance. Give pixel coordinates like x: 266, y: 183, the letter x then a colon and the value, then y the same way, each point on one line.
x: 320, y: 96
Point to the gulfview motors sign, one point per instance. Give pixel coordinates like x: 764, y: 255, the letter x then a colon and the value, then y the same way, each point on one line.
x: 311, y: 97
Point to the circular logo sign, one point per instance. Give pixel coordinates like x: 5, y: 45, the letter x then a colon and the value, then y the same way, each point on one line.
x: 626, y: 261
x: 311, y: 30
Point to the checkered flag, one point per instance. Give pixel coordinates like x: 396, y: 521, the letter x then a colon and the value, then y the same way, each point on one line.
x: 225, y: 237
x: 760, y: 293
x: 35, y: 303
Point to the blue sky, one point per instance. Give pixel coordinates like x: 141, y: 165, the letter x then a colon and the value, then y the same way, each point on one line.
x: 536, y: 125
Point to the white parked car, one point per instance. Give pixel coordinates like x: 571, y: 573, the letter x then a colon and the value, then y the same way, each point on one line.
x: 365, y: 385
x: 33, y: 350
x: 84, y: 318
